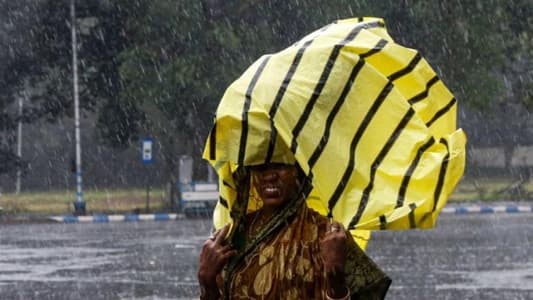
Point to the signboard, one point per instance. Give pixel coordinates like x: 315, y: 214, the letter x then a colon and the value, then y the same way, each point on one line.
x: 201, y: 192
x: 198, y: 197
x: 147, y: 151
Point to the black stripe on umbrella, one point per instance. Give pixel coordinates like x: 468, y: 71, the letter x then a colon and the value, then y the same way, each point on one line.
x: 351, y: 79
x: 382, y: 222
x: 378, y: 47
x: 351, y: 164
x: 375, y: 165
x: 442, y: 175
x: 323, y: 79
x: 272, y: 142
x: 279, y: 96
x: 223, y: 201
x: 412, y: 64
x: 224, y: 182
x: 412, y: 222
x: 329, y: 121
x: 411, y: 170
x: 213, y: 142
x: 246, y: 108
x: 423, y: 95
x: 333, y: 113
x: 288, y: 77
x: 441, y: 112
x: 366, y: 193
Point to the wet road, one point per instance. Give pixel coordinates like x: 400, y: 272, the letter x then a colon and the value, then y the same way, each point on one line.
x: 466, y: 257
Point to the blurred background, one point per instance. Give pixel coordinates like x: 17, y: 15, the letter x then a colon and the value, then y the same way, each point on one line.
x: 157, y: 69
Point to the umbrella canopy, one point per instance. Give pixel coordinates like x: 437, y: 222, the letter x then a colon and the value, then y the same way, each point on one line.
x: 366, y: 119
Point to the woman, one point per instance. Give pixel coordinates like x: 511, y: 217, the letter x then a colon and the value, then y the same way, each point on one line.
x: 379, y: 150
x: 284, y: 250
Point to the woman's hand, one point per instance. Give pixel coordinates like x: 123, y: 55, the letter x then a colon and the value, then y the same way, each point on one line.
x: 215, y: 254
x: 333, y: 252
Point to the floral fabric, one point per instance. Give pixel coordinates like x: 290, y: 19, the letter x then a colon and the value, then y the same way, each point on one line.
x: 288, y: 265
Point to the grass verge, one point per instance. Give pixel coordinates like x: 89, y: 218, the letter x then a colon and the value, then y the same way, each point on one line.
x: 129, y: 200
x: 97, y: 201
x: 492, y: 189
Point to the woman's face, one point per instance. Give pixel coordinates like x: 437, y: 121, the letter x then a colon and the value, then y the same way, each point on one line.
x: 276, y: 183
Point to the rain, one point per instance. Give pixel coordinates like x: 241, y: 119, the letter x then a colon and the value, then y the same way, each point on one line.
x: 106, y: 105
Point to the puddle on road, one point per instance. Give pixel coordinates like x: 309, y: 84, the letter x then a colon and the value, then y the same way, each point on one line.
x: 82, y: 265
x: 45, y: 264
x: 518, y: 278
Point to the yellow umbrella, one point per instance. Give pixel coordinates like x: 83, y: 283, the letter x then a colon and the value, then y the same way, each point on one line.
x: 367, y: 119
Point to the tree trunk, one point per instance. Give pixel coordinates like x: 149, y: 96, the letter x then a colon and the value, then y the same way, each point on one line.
x: 508, y: 150
x: 174, y: 200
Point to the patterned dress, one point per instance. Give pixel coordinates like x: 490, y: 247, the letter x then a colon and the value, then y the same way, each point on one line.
x: 287, y: 265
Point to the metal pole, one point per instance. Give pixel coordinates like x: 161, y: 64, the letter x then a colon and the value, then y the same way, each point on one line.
x: 147, y: 208
x: 19, y: 143
x: 79, y: 205
x: 210, y: 174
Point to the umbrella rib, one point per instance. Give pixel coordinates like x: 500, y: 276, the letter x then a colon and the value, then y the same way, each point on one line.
x: 375, y: 165
x: 441, y: 112
x: 246, y: 109
x: 333, y: 113
x: 351, y: 164
x: 424, y: 93
x: 410, y: 171
x: 325, y: 76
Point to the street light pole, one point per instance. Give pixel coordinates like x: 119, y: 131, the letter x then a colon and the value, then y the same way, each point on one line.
x: 19, y: 139
x: 79, y: 205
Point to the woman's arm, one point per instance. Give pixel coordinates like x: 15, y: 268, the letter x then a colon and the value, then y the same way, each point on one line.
x: 215, y: 254
x: 332, y: 250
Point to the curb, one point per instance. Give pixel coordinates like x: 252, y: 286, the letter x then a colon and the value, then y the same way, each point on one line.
x: 457, y: 210
x: 485, y: 209
x: 101, y: 218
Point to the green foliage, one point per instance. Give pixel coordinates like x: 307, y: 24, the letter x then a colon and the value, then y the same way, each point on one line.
x: 164, y: 70
x: 159, y: 67
x: 459, y: 39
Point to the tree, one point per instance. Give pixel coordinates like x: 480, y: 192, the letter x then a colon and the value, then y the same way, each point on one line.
x: 184, y: 54
x: 16, y: 33
x: 172, y: 72
x: 36, y: 48
x: 517, y: 75
x: 159, y: 67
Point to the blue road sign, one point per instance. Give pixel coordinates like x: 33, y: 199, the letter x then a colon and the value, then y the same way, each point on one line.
x: 147, y: 151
